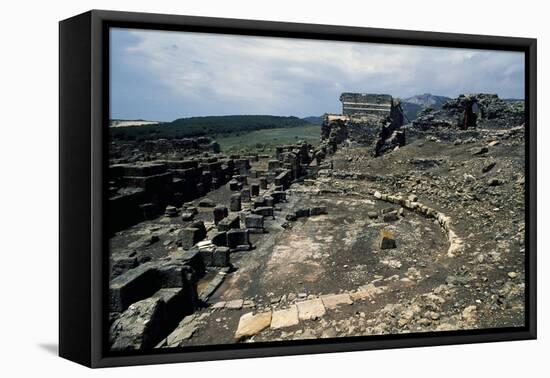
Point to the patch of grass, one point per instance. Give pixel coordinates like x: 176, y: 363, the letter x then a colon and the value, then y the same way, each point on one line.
x: 265, y: 141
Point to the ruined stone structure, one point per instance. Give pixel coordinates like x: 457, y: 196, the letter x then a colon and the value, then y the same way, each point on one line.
x: 467, y: 111
x: 366, y: 103
x: 149, y: 297
x: 367, y: 107
x: 311, y: 240
x: 139, y: 191
x: 366, y: 119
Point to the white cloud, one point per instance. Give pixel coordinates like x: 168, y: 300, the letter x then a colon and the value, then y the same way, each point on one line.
x: 221, y: 74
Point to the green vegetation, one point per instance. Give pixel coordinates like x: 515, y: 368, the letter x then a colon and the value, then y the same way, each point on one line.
x: 266, y: 140
x: 314, y: 120
x: 214, y: 126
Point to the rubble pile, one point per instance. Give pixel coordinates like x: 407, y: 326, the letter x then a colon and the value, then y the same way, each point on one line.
x: 472, y: 110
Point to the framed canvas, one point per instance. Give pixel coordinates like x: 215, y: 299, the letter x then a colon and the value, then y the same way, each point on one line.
x: 235, y: 188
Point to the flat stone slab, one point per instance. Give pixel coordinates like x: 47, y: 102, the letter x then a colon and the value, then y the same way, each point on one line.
x: 333, y: 301
x: 235, y: 304
x: 312, y: 309
x: 285, y: 318
x: 251, y: 324
x: 367, y: 292
x: 185, y: 330
x: 181, y: 334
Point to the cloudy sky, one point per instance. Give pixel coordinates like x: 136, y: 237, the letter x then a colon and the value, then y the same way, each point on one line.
x: 160, y: 75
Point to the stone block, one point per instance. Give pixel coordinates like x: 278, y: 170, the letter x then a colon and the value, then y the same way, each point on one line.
x: 263, y: 183
x: 254, y: 190
x: 273, y: 165
x: 190, y: 258
x: 236, y: 237
x: 132, y: 286
x: 311, y: 309
x: 221, y: 257
x: 139, y: 327
x: 198, y: 224
x: 269, y: 201
x: 122, y: 264
x: 245, y: 195
x: 190, y: 236
x: 254, y: 221
x: 234, y: 185
x: 333, y: 301
x: 206, y: 202
x: 235, y: 202
x: 171, y: 211
x: 387, y: 239
x: 258, y: 202
x: 372, y: 214
x: 283, y: 179
x: 278, y: 196
x: 219, y: 212
x: 318, y: 210
x: 285, y: 318
x: 219, y: 239
x: 230, y: 222
x: 302, y: 213
x: 187, y: 216
x: 266, y: 211
x: 390, y: 217
x: 251, y: 324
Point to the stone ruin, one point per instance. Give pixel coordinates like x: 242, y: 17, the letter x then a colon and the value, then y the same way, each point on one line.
x: 139, y: 151
x: 216, y: 205
x: 140, y: 191
x: 148, y: 298
x: 468, y: 111
x: 366, y: 119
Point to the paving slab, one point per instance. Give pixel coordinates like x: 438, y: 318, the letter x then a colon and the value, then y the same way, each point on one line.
x: 218, y: 305
x: 181, y: 333
x: 285, y: 318
x: 235, y: 304
x: 250, y: 324
x: 333, y: 301
x: 312, y: 309
x: 367, y: 292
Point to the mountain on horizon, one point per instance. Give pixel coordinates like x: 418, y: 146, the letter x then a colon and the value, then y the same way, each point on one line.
x: 415, y: 104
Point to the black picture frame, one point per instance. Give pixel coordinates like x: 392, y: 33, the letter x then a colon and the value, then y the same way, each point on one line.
x: 83, y: 114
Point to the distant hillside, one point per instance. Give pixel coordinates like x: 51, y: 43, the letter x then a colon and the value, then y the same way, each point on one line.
x: 427, y: 100
x: 131, y: 122
x: 200, y: 126
x: 314, y: 120
x: 413, y: 105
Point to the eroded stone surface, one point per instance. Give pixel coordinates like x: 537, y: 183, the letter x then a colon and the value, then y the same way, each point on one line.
x: 336, y: 300
x: 311, y: 309
x: 250, y: 324
x: 285, y: 318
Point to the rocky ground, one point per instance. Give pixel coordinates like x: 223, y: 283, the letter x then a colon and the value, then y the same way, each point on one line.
x: 453, y: 206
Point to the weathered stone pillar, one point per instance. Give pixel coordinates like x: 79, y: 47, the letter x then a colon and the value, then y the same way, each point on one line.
x: 254, y: 190
x: 220, y: 212
x: 235, y: 204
